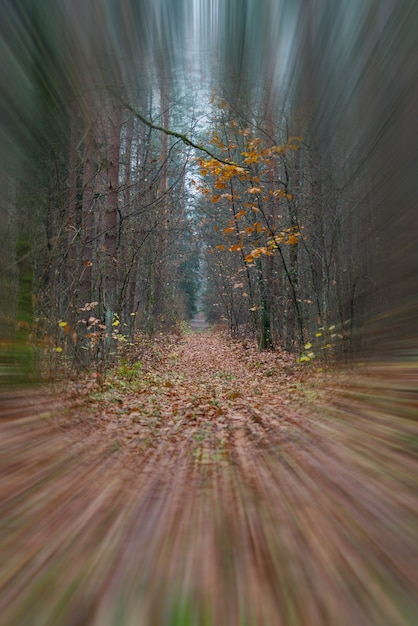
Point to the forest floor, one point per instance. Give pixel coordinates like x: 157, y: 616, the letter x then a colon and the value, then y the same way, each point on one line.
x: 206, y: 484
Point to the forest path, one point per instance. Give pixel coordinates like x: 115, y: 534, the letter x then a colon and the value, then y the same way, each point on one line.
x: 210, y: 485
x: 199, y: 322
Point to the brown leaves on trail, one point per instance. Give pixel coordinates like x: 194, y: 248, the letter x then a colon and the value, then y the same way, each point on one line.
x: 202, y: 484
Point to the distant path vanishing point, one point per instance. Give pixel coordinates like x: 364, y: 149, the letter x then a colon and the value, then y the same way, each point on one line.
x: 199, y: 322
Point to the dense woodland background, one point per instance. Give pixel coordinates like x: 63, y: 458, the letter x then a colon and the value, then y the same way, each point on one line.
x: 253, y: 160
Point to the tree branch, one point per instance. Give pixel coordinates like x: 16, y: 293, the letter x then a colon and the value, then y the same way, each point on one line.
x: 173, y: 133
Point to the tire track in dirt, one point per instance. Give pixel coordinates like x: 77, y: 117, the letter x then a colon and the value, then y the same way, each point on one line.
x: 196, y: 493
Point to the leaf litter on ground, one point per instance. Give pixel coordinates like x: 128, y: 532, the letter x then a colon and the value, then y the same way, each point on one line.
x: 205, y: 482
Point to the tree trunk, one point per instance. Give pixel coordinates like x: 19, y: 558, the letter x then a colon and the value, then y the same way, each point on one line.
x: 87, y: 225
x: 159, y: 276
x: 71, y: 237
x: 111, y: 225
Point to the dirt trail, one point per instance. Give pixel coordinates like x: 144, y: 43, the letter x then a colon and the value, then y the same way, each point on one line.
x: 211, y: 485
x: 199, y: 322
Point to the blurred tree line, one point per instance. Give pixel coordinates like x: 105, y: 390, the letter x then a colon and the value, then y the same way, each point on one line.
x: 108, y: 223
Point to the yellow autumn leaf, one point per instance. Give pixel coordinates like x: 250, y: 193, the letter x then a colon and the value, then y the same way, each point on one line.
x: 304, y: 359
x: 254, y: 190
x: 58, y: 349
x: 251, y: 157
x: 257, y: 252
x: 308, y: 345
x: 62, y: 324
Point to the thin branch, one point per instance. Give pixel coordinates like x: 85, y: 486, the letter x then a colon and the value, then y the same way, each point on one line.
x: 173, y: 133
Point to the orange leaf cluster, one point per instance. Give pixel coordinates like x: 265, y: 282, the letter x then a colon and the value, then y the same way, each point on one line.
x: 288, y: 236
x: 256, y: 253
